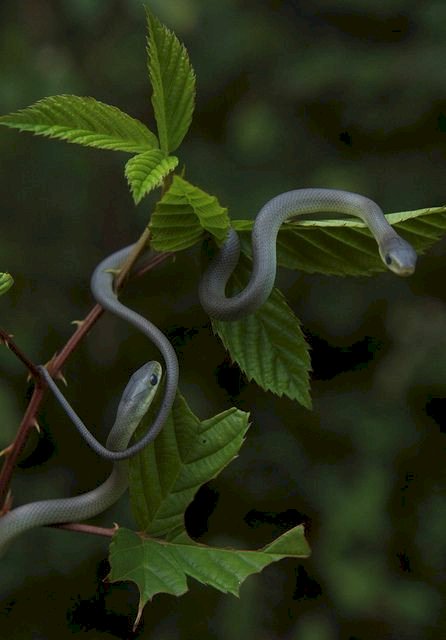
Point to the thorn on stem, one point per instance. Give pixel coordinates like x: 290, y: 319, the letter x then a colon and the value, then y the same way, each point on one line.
x: 5, y: 339
x: 5, y: 452
x: 7, y: 504
x: 48, y: 363
x: 59, y: 375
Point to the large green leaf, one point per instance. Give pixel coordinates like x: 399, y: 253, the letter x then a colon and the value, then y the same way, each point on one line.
x: 187, y: 453
x: 268, y: 345
x: 146, y: 171
x: 83, y: 121
x: 173, y: 84
x: 163, y: 480
x: 6, y: 282
x: 183, y: 214
x: 158, y: 566
x: 346, y: 247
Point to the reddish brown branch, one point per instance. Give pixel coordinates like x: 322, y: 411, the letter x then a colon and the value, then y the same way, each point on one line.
x: 86, y: 528
x: 12, y: 452
x: 7, y: 340
x: 16, y: 447
x: 154, y: 262
x: 72, y: 343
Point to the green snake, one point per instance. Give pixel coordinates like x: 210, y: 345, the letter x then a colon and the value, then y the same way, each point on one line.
x: 397, y: 254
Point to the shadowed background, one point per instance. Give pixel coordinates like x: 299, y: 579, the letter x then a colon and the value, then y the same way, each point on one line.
x: 340, y: 94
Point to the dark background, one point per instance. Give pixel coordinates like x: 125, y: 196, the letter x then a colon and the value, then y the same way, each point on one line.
x: 347, y: 94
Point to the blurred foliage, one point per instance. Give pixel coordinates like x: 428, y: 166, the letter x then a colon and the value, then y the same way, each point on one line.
x: 347, y: 94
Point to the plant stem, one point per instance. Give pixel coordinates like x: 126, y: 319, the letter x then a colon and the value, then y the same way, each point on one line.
x: 7, y: 340
x: 86, y: 528
x: 138, y: 248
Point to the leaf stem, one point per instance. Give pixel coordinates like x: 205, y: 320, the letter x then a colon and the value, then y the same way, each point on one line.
x: 138, y: 248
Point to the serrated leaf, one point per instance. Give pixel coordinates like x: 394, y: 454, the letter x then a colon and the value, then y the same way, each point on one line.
x: 268, y: 345
x: 84, y: 121
x: 163, y: 480
x: 173, y: 82
x: 146, y: 171
x: 6, y: 282
x: 346, y: 247
x: 157, y: 566
x: 183, y: 214
x: 187, y: 453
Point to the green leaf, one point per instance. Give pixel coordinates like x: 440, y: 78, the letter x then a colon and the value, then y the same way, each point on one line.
x: 187, y: 453
x: 6, y: 282
x: 83, y: 121
x: 268, y: 345
x: 163, y: 481
x: 346, y: 247
x: 182, y: 214
x: 146, y: 171
x: 173, y: 83
x: 157, y: 566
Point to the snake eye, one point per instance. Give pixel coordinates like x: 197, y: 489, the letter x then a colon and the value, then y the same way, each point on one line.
x: 153, y: 379
x: 388, y: 259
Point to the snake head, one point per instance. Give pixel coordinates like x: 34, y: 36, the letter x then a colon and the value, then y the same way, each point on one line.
x: 399, y: 256
x: 140, y: 391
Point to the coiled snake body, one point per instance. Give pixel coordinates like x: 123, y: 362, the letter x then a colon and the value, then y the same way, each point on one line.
x: 397, y: 254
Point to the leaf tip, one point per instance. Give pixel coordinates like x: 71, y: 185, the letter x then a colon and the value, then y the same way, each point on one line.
x: 6, y: 282
x: 138, y: 615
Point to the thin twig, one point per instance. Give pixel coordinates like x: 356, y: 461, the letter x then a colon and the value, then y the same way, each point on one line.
x: 7, y: 340
x: 137, y: 250
x: 154, y: 262
x: 86, y: 528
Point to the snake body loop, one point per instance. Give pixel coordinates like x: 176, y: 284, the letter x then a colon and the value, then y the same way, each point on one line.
x: 102, y: 288
x: 133, y: 405
x: 396, y: 253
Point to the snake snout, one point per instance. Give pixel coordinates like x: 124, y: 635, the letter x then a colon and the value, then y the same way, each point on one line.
x: 141, y: 382
x: 399, y: 256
